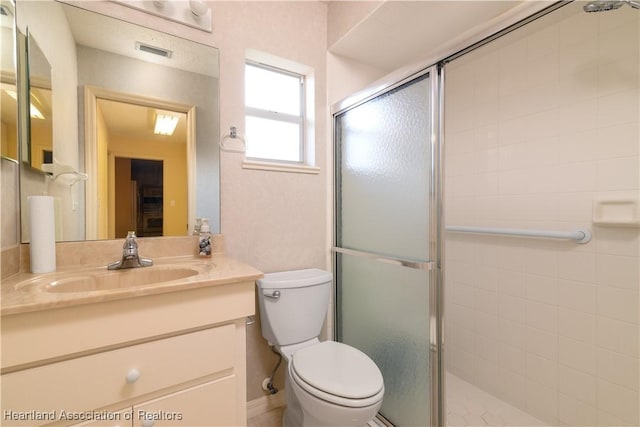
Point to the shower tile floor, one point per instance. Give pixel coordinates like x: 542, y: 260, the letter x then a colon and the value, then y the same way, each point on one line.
x: 469, y: 406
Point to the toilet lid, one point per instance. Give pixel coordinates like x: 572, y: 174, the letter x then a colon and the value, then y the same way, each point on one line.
x: 338, y: 369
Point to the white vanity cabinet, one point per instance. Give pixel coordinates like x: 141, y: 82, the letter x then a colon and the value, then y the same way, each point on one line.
x: 171, y: 359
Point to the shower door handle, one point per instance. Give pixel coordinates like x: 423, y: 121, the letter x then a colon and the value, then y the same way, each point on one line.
x: 414, y: 264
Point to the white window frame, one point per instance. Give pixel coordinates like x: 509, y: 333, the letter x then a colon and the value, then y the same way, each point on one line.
x: 282, y: 117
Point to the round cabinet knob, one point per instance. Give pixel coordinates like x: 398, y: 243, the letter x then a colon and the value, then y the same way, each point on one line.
x: 148, y: 423
x: 132, y: 376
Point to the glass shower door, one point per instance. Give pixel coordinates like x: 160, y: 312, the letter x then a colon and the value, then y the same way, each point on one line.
x: 385, y: 242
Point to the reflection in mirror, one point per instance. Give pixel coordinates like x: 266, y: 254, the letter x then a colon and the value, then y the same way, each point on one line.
x: 8, y: 90
x: 145, y: 151
x: 40, y: 129
x: 94, y: 58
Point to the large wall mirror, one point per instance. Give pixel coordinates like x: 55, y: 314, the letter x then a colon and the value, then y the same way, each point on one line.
x: 8, y: 86
x: 111, y: 165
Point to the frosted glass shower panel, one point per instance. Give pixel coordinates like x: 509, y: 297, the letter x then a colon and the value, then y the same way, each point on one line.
x: 383, y: 312
x: 384, y: 149
x: 383, y: 182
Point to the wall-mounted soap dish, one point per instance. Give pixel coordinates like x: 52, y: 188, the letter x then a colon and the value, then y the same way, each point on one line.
x: 618, y: 212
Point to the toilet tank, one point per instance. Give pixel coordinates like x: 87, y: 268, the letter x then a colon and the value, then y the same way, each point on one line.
x: 293, y: 305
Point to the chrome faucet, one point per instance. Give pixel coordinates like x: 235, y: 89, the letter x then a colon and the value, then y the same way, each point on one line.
x: 130, y: 258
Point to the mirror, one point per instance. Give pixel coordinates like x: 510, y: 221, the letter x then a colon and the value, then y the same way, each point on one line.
x: 8, y: 87
x: 97, y: 60
x: 38, y: 149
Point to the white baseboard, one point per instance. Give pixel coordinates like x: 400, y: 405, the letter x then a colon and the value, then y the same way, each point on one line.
x: 265, y: 403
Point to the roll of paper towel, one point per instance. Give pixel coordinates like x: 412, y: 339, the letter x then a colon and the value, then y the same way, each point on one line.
x: 42, y: 228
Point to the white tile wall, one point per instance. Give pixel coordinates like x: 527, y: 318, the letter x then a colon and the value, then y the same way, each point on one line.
x: 538, y: 125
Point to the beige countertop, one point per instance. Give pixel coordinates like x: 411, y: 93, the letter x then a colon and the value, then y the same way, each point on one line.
x: 25, y: 292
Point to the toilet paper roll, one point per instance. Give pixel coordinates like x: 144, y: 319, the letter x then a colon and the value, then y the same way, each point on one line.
x: 42, y: 228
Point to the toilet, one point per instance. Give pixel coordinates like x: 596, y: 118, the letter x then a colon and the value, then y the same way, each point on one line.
x: 327, y: 383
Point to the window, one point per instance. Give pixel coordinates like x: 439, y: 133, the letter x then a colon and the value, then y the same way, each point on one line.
x: 275, y: 113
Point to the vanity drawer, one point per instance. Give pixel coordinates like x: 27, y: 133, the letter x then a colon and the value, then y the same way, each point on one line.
x: 98, y: 380
x: 210, y: 404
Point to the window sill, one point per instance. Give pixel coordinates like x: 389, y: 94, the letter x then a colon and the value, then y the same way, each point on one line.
x: 280, y: 167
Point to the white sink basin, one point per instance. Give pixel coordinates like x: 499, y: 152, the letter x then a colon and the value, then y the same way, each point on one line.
x: 103, y: 279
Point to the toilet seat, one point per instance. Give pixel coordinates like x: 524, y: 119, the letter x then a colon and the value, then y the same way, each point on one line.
x: 337, y: 373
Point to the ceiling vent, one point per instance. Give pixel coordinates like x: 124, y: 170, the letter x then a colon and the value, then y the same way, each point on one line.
x: 154, y: 50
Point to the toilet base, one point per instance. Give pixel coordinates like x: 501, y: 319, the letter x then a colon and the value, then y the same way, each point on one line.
x: 304, y: 410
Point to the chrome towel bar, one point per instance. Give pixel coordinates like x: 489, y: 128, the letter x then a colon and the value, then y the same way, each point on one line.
x: 580, y: 235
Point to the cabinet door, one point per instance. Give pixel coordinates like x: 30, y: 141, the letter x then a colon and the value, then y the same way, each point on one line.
x: 210, y: 404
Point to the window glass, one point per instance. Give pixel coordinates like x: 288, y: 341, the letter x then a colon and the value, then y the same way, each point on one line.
x: 274, y: 140
x: 274, y: 121
x: 271, y: 90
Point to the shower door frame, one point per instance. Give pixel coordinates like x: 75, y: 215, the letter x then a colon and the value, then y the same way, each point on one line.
x: 435, y: 220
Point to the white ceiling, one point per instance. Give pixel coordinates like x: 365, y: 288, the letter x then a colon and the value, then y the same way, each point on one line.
x: 399, y: 33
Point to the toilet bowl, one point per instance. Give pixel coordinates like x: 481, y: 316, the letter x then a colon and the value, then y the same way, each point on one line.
x: 335, y: 384
x: 327, y: 383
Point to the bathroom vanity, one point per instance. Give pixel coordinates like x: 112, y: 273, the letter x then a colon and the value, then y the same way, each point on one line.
x: 163, y: 353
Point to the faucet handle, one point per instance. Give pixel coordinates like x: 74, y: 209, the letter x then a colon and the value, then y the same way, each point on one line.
x: 130, y: 258
x: 130, y: 246
x: 130, y: 240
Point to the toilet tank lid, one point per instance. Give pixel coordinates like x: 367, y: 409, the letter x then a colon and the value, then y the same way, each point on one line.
x: 295, y: 279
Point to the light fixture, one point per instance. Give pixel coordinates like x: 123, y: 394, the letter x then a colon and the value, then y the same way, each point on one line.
x: 194, y: 13
x: 33, y: 110
x: 165, y: 124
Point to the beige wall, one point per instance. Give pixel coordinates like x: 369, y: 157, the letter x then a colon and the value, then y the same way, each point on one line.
x: 347, y: 76
x: 10, y: 197
x: 272, y: 220
x: 540, y: 125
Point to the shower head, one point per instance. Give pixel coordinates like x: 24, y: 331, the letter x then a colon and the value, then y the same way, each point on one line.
x: 605, y: 5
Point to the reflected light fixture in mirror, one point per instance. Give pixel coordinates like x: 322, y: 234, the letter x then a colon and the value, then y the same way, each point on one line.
x: 165, y: 124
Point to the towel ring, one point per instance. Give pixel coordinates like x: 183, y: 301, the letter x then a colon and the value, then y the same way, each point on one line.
x: 233, y: 135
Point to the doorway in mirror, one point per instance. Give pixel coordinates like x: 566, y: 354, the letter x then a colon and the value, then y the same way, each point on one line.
x: 139, y: 197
